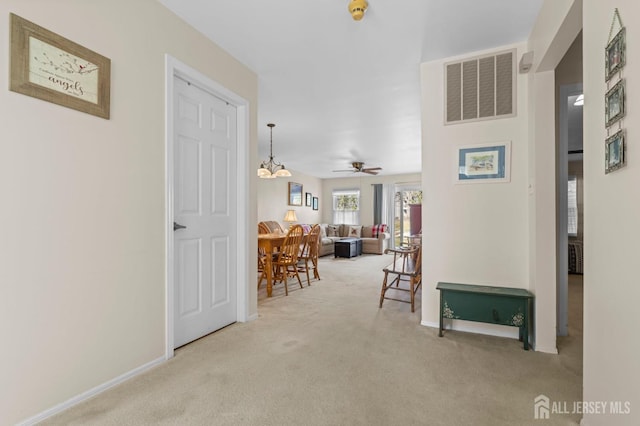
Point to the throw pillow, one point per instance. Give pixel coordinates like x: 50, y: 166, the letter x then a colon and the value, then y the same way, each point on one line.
x: 355, y: 231
x: 306, y: 228
x: 377, y: 229
x: 332, y: 231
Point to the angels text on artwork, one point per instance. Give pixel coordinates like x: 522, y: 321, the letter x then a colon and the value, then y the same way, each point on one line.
x: 61, y: 71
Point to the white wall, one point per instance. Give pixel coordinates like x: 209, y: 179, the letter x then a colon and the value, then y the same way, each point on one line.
x: 557, y: 26
x: 82, y: 259
x: 273, y: 198
x: 363, y: 183
x: 476, y: 233
x: 612, y: 230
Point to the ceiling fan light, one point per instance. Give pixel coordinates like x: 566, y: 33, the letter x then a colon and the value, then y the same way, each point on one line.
x: 357, y: 9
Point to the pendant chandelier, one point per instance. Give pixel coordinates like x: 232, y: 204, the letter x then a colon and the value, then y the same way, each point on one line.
x: 271, y: 169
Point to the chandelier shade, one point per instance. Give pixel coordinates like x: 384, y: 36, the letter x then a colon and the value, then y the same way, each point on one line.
x: 271, y: 169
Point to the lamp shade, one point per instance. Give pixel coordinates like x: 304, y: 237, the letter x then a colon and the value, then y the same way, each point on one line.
x: 290, y: 216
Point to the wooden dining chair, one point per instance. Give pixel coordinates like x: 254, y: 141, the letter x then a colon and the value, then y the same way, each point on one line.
x: 263, y: 228
x: 286, y: 264
x: 403, y: 274
x: 309, y: 253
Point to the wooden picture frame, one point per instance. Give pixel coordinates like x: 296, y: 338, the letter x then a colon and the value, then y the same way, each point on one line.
x: 614, y: 152
x: 315, y: 203
x: 50, y: 67
x: 614, y: 103
x: 484, y: 163
x: 615, y: 54
x: 307, y: 199
x: 295, y: 194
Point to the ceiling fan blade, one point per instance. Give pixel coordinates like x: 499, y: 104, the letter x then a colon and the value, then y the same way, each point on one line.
x: 357, y: 168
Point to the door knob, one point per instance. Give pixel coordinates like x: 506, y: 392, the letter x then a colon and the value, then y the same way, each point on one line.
x: 177, y: 226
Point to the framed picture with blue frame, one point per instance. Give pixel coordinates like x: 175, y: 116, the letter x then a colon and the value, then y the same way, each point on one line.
x: 483, y: 163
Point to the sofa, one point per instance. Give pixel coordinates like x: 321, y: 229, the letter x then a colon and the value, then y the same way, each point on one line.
x: 329, y: 234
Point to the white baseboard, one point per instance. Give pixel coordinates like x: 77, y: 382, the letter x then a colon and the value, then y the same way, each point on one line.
x: 90, y: 393
x: 490, y: 330
x: 252, y: 317
x: 430, y: 324
x: 477, y: 327
x: 486, y: 329
x: 547, y: 350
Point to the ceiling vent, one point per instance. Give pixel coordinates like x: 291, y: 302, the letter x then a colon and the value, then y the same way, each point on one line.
x: 480, y: 88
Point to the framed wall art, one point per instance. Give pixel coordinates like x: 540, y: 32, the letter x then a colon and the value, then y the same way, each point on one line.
x: 615, y: 54
x: 614, y: 152
x: 307, y: 199
x: 614, y: 104
x: 50, y: 67
x: 483, y: 163
x: 295, y: 194
x: 315, y: 203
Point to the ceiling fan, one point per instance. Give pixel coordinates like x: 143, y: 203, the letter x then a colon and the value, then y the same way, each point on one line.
x: 358, y: 167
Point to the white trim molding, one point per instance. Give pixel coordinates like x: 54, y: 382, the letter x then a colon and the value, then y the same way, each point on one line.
x: 90, y: 393
x: 174, y: 67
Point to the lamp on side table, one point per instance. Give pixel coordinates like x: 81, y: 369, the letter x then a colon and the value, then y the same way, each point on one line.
x: 290, y: 217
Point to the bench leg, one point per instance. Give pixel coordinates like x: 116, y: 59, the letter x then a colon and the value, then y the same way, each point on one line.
x: 441, y: 311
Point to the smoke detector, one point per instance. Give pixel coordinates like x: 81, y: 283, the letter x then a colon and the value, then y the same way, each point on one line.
x: 357, y: 9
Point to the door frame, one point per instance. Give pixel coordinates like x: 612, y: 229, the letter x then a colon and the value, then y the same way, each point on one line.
x: 173, y: 68
x: 562, y: 257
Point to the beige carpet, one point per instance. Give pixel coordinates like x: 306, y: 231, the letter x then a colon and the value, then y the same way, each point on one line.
x: 326, y: 355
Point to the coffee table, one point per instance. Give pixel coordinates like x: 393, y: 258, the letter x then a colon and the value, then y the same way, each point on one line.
x: 348, y: 247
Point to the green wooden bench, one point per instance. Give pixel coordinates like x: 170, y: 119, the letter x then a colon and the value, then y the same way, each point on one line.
x: 495, y: 305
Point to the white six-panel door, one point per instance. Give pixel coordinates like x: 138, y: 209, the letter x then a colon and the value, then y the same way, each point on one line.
x: 204, y: 202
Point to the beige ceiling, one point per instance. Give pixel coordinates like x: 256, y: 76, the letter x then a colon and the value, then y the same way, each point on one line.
x: 340, y: 90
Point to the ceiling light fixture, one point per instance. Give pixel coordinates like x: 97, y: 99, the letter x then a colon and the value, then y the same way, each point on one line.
x: 579, y: 101
x: 270, y: 169
x: 357, y: 9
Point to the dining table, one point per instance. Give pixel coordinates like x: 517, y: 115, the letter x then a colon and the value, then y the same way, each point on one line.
x: 270, y: 243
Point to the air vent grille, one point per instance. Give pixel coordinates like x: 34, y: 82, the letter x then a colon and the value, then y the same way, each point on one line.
x: 454, y: 105
x: 480, y: 88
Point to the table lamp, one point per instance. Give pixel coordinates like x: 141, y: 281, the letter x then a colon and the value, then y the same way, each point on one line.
x: 290, y: 217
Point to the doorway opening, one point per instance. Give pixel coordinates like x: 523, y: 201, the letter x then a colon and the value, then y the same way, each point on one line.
x: 407, y: 213
x: 569, y: 188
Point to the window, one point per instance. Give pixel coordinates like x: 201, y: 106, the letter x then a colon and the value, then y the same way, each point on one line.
x: 572, y: 198
x: 346, y: 206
